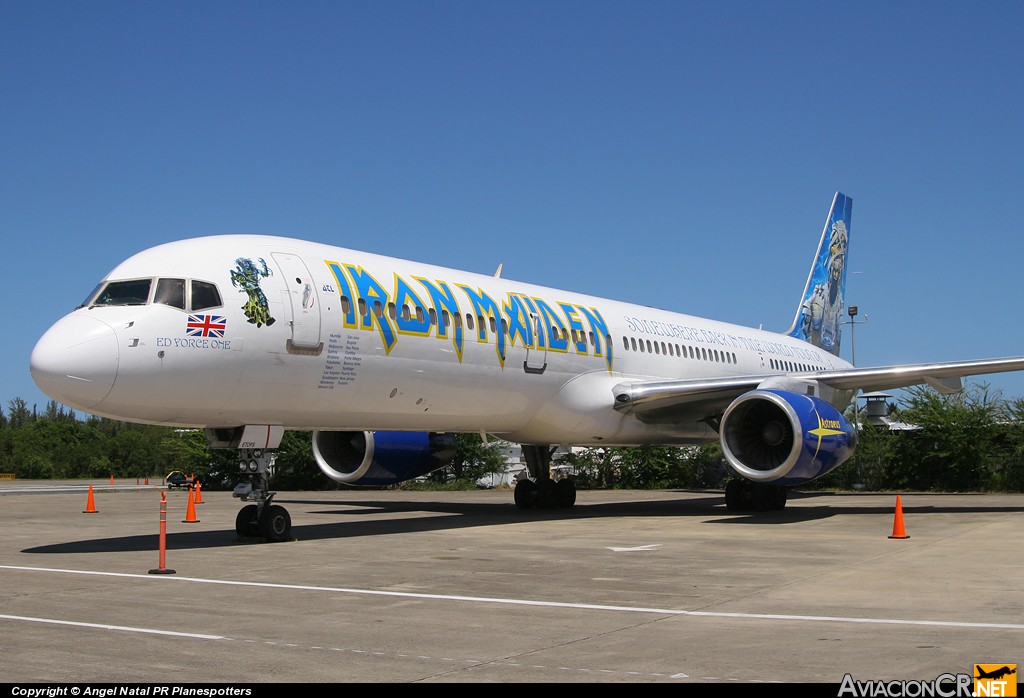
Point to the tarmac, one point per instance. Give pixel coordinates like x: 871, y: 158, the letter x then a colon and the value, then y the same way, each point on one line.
x: 396, y: 586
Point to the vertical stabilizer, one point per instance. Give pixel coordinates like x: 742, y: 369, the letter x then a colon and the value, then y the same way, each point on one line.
x: 819, y: 317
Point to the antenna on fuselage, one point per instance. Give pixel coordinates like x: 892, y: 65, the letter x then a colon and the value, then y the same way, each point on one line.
x: 497, y: 272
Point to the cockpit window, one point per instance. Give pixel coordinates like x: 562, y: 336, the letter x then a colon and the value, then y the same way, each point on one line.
x: 124, y: 293
x: 92, y: 294
x: 170, y: 292
x: 205, y: 295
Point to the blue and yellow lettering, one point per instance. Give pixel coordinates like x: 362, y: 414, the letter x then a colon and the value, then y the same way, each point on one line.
x: 555, y: 328
x: 575, y: 326
x: 442, y: 299
x: 344, y: 290
x: 539, y: 342
x: 601, y: 332
x: 485, y: 307
x: 417, y: 323
x: 371, y: 291
x: 519, y: 324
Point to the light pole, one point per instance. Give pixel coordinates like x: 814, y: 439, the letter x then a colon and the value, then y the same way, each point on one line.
x: 852, y: 311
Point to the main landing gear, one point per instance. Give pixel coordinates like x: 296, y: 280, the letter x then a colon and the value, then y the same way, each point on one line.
x: 540, y: 491
x: 264, y: 519
x: 744, y: 495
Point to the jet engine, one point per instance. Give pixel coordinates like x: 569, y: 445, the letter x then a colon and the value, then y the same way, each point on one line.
x: 785, y: 438
x: 381, y: 457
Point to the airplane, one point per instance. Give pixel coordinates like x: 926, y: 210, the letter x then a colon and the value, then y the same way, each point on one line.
x: 996, y: 674
x: 383, y: 360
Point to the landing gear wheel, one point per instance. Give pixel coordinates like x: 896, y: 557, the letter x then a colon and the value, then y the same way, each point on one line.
x: 275, y: 524
x: 769, y: 497
x: 734, y: 496
x: 547, y: 494
x: 565, y: 492
x: 525, y: 494
x: 246, y: 524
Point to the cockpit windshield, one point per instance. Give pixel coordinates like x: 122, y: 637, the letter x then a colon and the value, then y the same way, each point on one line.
x: 135, y: 292
x: 177, y: 293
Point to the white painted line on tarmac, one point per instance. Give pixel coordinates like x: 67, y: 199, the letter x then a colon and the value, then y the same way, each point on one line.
x: 534, y: 603
x: 104, y: 626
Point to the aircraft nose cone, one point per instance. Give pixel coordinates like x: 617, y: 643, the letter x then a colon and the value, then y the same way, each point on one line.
x: 75, y: 362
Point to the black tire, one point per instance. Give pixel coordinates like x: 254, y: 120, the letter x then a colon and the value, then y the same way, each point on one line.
x: 769, y: 497
x: 565, y: 492
x: 525, y: 494
x: 275, y: 524
x: 246, y: 524
x: 734, y: 499
x: 547, y: 494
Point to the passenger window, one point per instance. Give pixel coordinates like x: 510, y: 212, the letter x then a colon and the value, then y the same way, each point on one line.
x: 125, y: 293
x: 205, y: 295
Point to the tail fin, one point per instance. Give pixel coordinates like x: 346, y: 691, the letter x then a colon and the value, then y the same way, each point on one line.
x: 819, y: 316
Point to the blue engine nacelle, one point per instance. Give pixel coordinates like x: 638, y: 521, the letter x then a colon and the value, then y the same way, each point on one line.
x: 382, y: 457
x: 784, y: 438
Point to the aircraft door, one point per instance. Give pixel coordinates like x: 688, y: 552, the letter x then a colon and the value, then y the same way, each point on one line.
x: 537, y: 355
x: 303, y: 303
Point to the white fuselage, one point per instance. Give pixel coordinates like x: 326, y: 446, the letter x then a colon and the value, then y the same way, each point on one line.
x: 356, y: 341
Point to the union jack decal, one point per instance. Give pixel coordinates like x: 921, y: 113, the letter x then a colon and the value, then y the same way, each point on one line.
x: 206, y: 326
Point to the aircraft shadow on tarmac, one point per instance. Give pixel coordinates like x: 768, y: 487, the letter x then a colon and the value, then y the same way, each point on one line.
x: 454, y: 515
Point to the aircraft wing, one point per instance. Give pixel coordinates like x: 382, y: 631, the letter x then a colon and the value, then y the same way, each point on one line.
x: 696, y: 399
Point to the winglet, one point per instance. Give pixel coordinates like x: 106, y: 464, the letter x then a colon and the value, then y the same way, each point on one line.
x: 819, y: 316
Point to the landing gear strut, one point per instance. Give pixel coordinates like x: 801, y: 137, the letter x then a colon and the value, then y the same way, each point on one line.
x: 264, y: 518
x: 744, y: 495
x: 539, y: 491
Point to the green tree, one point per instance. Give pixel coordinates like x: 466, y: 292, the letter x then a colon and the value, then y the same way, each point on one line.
x: 955, y: 447
x: 473, y: 459
x: 19, y: 414
x: 1009, y: 472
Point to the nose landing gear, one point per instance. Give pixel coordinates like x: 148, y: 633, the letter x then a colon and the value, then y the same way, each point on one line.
x: 264, y: 519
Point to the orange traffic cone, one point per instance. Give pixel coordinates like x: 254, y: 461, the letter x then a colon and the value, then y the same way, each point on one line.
x: 199, y: 493
x: 190, y: 513
x: 897, y: 525
x: 111, y: 478
x: 90, y: 505
x: 147, y: 482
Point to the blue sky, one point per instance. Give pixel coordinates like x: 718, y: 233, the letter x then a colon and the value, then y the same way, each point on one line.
x: 678, y: 154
